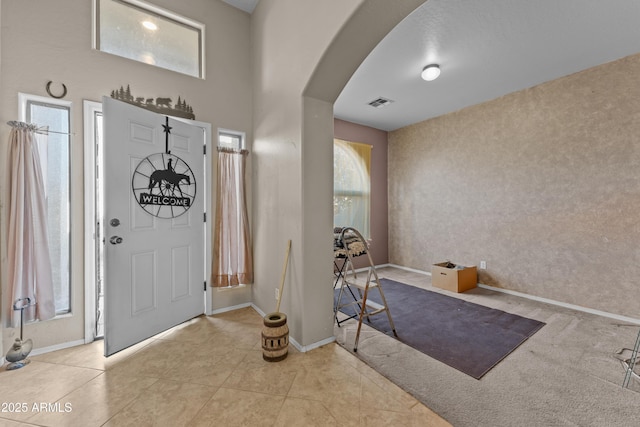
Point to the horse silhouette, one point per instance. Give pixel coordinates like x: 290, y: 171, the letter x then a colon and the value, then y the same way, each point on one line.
x: 169, y: 177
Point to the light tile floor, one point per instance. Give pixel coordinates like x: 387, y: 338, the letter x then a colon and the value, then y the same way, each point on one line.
x: 206, y: 372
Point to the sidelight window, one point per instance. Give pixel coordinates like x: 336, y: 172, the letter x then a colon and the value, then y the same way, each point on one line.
x: 55, y: 163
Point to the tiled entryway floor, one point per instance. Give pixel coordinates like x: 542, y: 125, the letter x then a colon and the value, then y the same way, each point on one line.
x: 206, y: 372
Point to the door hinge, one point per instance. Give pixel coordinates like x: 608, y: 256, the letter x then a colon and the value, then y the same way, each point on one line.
x: 205, y: 217
x: 204, y: 150
x: 205, y: 286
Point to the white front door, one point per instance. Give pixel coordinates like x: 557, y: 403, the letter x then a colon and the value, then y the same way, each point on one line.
x: 154, y: 204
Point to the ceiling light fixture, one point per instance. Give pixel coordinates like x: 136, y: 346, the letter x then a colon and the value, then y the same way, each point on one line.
x: 150, y: 25
x: 430, y: 72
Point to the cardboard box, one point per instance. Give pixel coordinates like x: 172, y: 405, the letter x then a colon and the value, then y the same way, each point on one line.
x: 454, y: 279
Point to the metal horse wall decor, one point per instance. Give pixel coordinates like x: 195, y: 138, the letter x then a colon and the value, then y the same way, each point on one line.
x: 163, y: 184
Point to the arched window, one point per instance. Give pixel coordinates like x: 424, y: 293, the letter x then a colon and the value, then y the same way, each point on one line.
x: 351, y: 185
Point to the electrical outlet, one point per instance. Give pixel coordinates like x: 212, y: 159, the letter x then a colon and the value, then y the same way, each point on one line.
x: 483, y: 265
x: 277, y: 294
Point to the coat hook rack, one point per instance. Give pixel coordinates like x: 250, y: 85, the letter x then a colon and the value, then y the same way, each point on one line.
x: 64, y: 90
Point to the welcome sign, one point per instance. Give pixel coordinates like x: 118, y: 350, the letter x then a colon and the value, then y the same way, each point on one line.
x: 150, y: 199
x: 164, y: 185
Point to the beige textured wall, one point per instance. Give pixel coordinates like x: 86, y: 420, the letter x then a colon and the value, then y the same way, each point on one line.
x: 543, y: 184
x: 282, y: 66
x: 46, y: 40
x: 304, y: 52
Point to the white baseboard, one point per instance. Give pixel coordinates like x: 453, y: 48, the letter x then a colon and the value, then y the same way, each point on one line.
x: 541, y: 299
x: 363, y: 269
x: 43, y: 350
x: 305, y: 348
x: 564, y: 304
x: 413, y: 270
x: 297, y: 345
x: 260, y: 312
x: 233, y: 307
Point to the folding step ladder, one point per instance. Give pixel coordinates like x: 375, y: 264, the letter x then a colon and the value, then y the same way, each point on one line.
x: 355, y: 245
x: 630, y: 363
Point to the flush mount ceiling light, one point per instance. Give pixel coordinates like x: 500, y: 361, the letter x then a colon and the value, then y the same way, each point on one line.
x: 150, y: 25
x: 430, y: 72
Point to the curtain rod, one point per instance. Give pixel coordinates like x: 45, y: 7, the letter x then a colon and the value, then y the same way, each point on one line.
x: 233, y: 150
x: 35, y: 128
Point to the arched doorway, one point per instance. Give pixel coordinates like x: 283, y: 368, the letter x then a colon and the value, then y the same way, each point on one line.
x: 293, y: 145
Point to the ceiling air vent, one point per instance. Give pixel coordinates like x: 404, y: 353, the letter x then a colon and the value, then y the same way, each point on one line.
x: 380, y: 102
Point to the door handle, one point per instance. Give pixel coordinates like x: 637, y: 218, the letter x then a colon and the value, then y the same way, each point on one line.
x: 115, y: 240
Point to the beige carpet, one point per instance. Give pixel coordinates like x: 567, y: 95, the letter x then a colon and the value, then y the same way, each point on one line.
x: 564, y: 375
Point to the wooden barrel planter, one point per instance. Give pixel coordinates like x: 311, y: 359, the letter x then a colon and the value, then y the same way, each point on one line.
x: 275, y: 337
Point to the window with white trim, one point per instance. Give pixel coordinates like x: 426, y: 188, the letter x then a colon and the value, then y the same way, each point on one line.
x: 231, y: 139
x: 146, y: 33
x: 56, y: 170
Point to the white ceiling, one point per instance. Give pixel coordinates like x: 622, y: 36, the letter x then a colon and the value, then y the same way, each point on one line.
x: 486, y: 49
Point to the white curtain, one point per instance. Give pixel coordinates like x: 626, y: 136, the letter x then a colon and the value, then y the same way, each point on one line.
x: 352, y: 186
x: 28, y: 261
x: 233, y: 258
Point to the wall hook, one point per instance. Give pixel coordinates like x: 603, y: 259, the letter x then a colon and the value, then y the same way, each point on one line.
x: 64, y: 91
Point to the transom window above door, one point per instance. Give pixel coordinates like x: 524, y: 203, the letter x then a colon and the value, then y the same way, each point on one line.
x: 146, y: 33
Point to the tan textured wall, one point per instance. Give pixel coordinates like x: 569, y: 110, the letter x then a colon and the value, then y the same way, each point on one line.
x: 543, y: 184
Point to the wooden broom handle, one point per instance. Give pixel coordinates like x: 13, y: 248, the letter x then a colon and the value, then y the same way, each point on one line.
x: 284, y: 272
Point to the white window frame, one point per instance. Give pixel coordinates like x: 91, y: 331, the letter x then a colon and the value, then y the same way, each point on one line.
x: 163, y: 13
x: 23, y: 100
x: 232, y: 133
x: 91, y: 233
